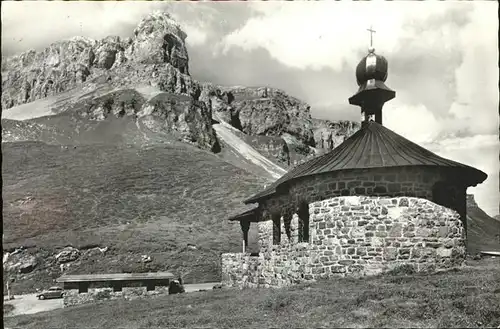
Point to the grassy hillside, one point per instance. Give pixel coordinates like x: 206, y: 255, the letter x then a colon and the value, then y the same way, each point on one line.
x: 136, y: 200
x: 483, y: 231
x: 466, y: 298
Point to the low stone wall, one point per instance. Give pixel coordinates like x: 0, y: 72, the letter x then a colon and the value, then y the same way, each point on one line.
x: 96, y: 295
x: 354, y: 236
x: 239, y: 269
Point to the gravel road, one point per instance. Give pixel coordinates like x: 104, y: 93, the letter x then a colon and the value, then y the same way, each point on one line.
x: 29, y: 304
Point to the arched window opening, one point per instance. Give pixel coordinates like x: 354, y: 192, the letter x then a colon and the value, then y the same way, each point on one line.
x: 303, y: 213
x: 444, y: 194
x: 276, y: 228
x: 287, y: 220
x: 449, y: 195
x: 439, y: 193
x: 245, y: 227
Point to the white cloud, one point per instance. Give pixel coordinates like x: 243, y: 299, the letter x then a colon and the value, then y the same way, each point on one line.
x: 469, y: 142
x: 315, y: 35
x: 325, y: 34
x: 33, y: 24
x: 419, y: 125
x: 415, y: 123
x: 196, y: 35
x: 481, y: 152
x: 195, y: 20
x: 477, y: 77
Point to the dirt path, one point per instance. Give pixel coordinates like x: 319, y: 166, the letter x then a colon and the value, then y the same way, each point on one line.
x: 199, y: 286
x: 29, y: 304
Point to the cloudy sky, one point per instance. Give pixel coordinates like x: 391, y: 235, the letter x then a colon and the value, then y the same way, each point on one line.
x: 442, y: 59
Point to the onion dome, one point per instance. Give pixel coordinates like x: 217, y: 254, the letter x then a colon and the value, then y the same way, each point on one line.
x: 371, y: 73
x: 372, y: 66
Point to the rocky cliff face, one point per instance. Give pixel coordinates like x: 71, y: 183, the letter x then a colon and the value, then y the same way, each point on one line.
x: 330, y: 134
x: 156, y: 50
x: 155, y: 56
x: 260, y: 111
x: 483, y: 231
x: 471, y: 202
x: 270, y: 112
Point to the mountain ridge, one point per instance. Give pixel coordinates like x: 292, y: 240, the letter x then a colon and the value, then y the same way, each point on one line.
x: 483, y: 230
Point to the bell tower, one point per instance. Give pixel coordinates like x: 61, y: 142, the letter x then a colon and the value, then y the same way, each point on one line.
x: 371, y: 74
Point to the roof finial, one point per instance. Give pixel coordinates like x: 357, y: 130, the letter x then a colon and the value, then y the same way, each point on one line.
x: 371, y: 30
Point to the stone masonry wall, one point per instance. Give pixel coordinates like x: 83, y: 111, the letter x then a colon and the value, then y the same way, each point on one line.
x: 241, y: 270
x: 96, y: 295
x: 403, y: 181
x: 391, y: 182
x: 354, y: 236
x: 265, y: 236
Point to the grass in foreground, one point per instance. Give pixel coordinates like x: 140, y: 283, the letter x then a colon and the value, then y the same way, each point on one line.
x: 465, y: 298
x: 7, y: 309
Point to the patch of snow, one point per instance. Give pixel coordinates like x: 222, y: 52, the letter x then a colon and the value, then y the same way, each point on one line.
x: 43, y: 107
x: 491, y: 253
x: 248, y: 152
x: 138, y: 125
x: 32, y: 110
x: 148, y: 91
x: 225, y: 124
x: 146, y: 110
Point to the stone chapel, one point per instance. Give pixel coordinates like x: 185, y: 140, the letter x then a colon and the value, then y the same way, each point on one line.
x: 375, y: 202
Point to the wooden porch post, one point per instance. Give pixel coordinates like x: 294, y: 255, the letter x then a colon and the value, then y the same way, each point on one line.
x: 245, y: 226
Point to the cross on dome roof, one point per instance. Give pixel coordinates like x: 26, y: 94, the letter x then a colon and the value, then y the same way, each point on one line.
x: 371, y: 30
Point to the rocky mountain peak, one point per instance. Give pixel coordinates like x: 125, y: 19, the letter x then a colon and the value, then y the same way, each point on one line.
x: 159, y: 22
x: 156, y: 51
x: 330, y: 134
x: 153, y: 60
x: 158, y: 38
x: 471, y: 202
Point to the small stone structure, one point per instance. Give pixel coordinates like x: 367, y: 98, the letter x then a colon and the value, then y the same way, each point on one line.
x: 96, y: 295
x: 352, y: 236
x: 92, y: 288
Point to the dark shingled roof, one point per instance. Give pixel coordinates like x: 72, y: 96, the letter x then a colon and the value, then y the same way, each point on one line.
x: 115, y: 277
x: 247, y: 212
x: 373, y: 146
